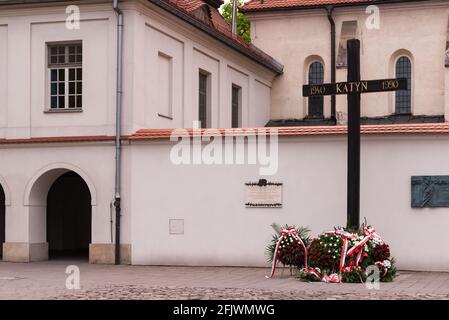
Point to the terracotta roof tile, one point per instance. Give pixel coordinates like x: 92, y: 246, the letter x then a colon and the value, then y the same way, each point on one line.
x: 59, y: 139
x: 255, y: 5
x: 164, y: 134
x: 428, y: 128
x: 221, y: 27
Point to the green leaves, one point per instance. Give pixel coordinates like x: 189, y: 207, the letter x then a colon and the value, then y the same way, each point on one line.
x: 243, y: 23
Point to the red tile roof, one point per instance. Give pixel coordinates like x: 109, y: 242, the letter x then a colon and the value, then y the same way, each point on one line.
x: 164, y: 134
x: 259, y: 5
x: 59, y: 139
x: 218, y: 28
x: 431, y: 128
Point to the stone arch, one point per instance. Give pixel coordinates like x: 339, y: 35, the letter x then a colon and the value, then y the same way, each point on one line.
x: 6, y: 191
x: 46, y: 176
x: 35, y: 200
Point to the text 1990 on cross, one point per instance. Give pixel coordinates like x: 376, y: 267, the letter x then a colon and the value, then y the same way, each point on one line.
x: 353, y: 88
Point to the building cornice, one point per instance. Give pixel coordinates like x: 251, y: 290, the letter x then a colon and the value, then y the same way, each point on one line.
x: 403, y: 129
x: 339, y: 5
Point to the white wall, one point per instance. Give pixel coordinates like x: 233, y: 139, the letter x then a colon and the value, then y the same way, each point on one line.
x: 28, y: 183
x: 149, y: 34
x: 190, y: 50
x: 219, y: 230
x: 24, y: 35
x: 3, y: 78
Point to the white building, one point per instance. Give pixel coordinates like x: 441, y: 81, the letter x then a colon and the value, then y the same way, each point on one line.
x: 180, y: 64
x: 58, y: 111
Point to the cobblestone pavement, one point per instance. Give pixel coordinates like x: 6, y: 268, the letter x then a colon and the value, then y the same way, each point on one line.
x: 46, y: 280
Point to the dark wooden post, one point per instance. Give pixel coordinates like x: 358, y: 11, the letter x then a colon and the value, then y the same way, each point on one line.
x: 353, y: 204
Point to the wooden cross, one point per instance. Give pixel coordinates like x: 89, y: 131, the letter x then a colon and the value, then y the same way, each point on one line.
x: 353, y: 88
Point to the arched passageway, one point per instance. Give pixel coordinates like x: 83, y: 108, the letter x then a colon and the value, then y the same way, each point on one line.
x: 2, y: 220
x: 69, y: 217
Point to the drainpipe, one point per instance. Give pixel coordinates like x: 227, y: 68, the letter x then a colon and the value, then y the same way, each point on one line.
x: 117, y: 196
x: 329, y: 10
x: 234, y: 17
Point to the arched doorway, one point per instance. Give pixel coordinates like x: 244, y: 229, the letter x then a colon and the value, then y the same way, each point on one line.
x: 2, y: 221
x: 69, y: 217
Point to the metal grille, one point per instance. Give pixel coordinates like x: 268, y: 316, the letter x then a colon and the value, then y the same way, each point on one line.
x: 316, y: 76
x: 236, y: 106
x: 404, y: 97
x: 202, y: 100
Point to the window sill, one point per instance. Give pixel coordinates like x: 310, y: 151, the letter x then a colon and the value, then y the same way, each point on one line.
x: 63, y: 110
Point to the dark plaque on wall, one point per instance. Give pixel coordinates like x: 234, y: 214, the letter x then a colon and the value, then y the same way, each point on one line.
x: 430, y: 191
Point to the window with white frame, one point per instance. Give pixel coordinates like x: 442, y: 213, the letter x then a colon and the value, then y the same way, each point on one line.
x: 66, y: 76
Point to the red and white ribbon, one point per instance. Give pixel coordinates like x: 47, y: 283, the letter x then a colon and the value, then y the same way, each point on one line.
x: 333, y: 278
x: 359, y: 246
x: 286, y: 233
x: 345, y: 237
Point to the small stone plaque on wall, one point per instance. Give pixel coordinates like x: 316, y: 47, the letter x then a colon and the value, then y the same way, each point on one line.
x: 176, y: 226
x: 430, y: 191
x: 263, y: 194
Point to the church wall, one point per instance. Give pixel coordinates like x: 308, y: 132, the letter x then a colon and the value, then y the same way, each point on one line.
x: 218, y: 230
x: 294, y: 36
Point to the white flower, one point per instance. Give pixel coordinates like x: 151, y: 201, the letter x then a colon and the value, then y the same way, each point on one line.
x: 387, y: 263
x: 328, y: 251
x: 333, y: 257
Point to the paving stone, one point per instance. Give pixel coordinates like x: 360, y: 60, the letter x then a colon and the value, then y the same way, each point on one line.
x: 46, y: 280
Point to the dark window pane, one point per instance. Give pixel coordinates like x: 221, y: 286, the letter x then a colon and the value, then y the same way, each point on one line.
x: 79, y: 74
x: 404, y: 97
x: 61, y: 74
x: 79, y: 58
x: 72, y: 49
x: 79, y: 87
x: 61, y: 102
x: 54, y: 102
x: 79, y: 102
x: 72, y: 58
x: 71, y: 87
x: 61, y: 50
x: 62, y: 88
x: 54, y: 88
x: 71, y: 101
x: 316, y: 76
x: 53, y: 50
x: 54, y: 75
x: 61, y: 59
x: 54, y: 59
x: 79, y: 49
x: 202, y: 99
x: 71, y: 74
x: 235, y: 107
